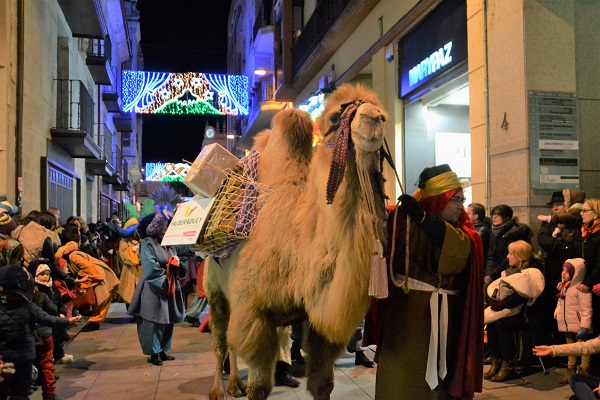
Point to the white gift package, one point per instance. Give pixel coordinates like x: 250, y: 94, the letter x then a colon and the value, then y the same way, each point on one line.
x: 207, y: 171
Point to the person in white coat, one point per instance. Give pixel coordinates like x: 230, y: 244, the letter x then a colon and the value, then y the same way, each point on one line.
x: 574, y: 312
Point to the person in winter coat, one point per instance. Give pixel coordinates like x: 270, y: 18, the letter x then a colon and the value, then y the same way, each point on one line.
x: 590, y: 233
x: 99, y: 276
x: 157, y: 300
x: 483, y: 224
x: 574, y: 312
x: 18, y: 316
x: 39, y: 268
x: 509, y: 296
x: 129, y: 253
x: 560, y: 233
x: 505, y: 230
x: 44, y: 339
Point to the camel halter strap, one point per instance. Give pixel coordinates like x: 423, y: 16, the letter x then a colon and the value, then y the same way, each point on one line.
x: 404, y: 284
x: 338, y: 160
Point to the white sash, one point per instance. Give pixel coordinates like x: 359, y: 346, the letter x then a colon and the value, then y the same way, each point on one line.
x: 439, y: 328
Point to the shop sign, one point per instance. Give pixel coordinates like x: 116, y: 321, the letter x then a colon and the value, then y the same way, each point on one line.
x: 434, y: 46
x: 430, y: 65
x: 553, y: 140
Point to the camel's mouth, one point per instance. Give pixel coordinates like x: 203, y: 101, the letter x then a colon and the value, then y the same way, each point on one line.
x: 367, y: 128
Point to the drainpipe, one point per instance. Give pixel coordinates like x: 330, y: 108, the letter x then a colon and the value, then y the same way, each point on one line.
x: 486, y: 102
x: 19, y: 99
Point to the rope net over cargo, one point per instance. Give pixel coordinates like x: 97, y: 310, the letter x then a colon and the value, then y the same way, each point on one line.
x: 235, y: 208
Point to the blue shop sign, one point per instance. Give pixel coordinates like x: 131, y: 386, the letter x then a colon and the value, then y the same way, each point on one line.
x: 433, y: 47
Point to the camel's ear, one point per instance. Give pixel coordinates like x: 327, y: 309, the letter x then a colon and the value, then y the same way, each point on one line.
x: 261, y: 139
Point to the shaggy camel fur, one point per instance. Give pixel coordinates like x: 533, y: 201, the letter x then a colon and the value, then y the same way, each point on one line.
x: 306, y: 259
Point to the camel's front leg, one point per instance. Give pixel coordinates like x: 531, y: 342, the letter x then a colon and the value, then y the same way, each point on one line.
x: 236, y: 386
x: 321, y: 356
x: 255, y: 340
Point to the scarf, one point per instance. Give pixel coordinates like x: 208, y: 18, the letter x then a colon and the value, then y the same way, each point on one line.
x: 498, y: 229
x: 587, y: 231
x: 563, y: 290
x: 172, y: 270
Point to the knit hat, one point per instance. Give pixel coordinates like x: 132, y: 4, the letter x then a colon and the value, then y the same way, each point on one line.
x: 158, y: 225
x: 436, y: 180
x: 13, y: 279
x: 40, y: 267
x: 66, y: 249
x: 5, y: 205
x: 7, y: 224
x: 7, y: 248
x: 570, y: 269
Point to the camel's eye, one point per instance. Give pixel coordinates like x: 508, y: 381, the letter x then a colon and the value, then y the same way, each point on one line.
x: 335, y: 119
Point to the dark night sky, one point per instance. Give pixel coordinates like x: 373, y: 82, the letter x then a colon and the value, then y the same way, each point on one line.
x: 181, y: 36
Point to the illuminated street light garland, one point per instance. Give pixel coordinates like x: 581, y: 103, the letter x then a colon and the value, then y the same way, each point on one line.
x: 184, y: 93
x: 166, y: 172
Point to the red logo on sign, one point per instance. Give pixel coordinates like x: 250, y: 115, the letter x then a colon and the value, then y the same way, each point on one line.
x: 189, y: 233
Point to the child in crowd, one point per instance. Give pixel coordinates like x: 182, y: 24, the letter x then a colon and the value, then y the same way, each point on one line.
x: 574, y: 312
x: 45, y: 299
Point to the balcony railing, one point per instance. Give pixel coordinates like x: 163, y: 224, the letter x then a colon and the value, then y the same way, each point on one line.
x: 74, y: 106
x: 100, y: 48
x: 118, y: 161
x: 106, y: 143
x: 320, y: 22
x: 111, y: 93
x: 125, y: 172
x: 98, y: 61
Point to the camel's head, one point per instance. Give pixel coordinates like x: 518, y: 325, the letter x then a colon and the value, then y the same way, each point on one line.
x: 366, y: 114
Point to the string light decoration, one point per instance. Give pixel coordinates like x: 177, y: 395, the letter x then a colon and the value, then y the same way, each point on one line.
x: 184, y: 93
x: 166, y: 172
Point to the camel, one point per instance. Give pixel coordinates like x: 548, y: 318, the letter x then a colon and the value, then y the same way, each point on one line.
x: 306, y: 259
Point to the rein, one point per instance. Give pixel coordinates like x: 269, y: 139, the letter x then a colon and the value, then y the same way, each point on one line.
x: 404, y: 284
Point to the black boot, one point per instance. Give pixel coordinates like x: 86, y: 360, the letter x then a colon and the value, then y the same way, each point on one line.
x: 283, y: 377
x: 155, y: 359
x: 361, y: 359
x: 355, y: 338
x: 165, y: 357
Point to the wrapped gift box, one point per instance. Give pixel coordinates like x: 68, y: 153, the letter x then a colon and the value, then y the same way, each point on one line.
x: 206, y: 173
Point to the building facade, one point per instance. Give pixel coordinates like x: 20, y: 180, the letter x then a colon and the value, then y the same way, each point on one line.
x: 64, y: 140
x: 506, y: 92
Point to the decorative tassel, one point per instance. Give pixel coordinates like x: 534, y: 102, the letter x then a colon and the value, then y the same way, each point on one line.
x: 378, y: 284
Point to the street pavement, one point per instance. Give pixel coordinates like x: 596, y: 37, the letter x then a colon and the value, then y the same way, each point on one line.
x: 109, y: 364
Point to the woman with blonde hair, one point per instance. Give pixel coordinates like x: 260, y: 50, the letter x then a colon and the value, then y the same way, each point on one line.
x: 518, y: 287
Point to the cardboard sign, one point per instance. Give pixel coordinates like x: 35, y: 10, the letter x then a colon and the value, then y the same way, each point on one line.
x: 188, y: 221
